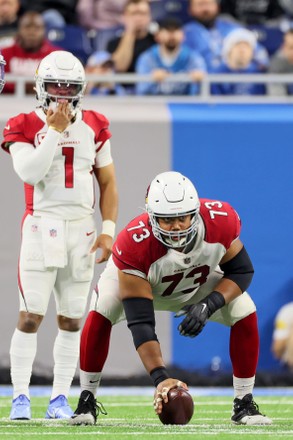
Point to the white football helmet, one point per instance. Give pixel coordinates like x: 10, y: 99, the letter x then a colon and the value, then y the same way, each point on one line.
x: 2, y: 64
x: 60, y: 69
x: 171, y: 194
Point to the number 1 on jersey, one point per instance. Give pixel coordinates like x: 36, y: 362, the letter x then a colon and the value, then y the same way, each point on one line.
x: 68, y: 153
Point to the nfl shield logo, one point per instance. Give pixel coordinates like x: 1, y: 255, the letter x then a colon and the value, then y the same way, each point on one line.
x: 187, y: 260
x: 65, y: 134
x: 53, y: 233
x: 34, y: 228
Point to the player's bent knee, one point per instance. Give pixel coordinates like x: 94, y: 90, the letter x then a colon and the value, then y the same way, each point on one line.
x: 238, y: 309
x: 106, y: 302
x: 241, y: 307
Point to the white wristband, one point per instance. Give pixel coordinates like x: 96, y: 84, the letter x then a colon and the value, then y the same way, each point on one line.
x: 108, y: 228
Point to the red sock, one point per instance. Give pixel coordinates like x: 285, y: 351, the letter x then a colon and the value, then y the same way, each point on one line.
x: 244, y: 346
x: 94, y: 343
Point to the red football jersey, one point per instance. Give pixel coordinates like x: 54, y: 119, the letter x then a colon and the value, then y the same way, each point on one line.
x: 172, y: 273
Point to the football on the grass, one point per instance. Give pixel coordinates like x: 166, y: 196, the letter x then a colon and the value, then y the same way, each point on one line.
x: 179, y: 408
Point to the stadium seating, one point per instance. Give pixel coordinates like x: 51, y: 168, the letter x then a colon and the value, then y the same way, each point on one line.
x: 170, y: 7
x: 270, y: 37
x: 73, y: 38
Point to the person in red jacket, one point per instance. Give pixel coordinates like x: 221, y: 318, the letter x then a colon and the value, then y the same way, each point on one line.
x: 30, y: 47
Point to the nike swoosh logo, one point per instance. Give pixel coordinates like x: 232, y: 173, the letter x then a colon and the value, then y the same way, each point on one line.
x: 118, y: 251
x: 89, y: 233
x: 7, y: 127
x: 93, y: 381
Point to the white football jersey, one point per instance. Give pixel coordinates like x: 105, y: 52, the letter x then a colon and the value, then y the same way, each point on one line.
x: 173, y: 274
x: 67, y: 190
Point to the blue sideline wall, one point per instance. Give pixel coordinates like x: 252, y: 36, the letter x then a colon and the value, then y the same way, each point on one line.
x: 242, y: 154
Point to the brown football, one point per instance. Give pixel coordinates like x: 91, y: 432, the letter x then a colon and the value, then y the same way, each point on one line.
x: 179, y: 409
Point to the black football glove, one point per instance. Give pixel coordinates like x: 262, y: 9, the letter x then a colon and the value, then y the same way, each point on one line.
x: 198, y: 314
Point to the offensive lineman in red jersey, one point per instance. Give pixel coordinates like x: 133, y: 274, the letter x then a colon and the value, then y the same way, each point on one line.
x: 57, y: 150
x: 183, y: 255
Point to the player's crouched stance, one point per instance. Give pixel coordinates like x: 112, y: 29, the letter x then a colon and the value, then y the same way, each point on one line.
x: 183, y: 255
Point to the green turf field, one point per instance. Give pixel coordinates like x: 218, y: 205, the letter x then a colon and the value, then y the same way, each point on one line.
x: 133, y: 418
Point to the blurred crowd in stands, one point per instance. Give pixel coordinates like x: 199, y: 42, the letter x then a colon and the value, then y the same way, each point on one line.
x: 155, y: 38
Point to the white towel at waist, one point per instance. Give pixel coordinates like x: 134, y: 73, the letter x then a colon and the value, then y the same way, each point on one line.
x: 53, y: 238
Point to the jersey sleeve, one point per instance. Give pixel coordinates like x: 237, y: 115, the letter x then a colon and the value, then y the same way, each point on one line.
x: 104, y: 156
x: 19, y: 129
x: 222, y: 223
x: 136, y: 248
x: 99, y: 124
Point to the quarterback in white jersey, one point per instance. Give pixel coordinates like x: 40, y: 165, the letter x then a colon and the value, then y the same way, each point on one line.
x: 183, y: 255
x: 57, y: 151
x: 282, y: 346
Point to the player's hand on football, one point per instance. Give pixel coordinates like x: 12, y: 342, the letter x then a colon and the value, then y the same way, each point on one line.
x: 60, y: 117
x: 161, y: 393
x: 194, y: 321
x: 103, y: 242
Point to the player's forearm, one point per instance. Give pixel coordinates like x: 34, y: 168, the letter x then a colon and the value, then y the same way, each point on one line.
x: 32, y: 164
x: 150, y: 355
x: 109, y: 201
x: 228, y: 289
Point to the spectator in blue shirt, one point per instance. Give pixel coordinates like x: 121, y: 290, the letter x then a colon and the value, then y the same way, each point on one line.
x: 207, y: 30
x: 238, y: 49
x: 167, y: 57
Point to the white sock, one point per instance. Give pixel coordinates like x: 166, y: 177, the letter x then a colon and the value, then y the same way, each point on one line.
x: 65, y: 352
x: 23, y: 350
x: 243, y: 386
x: 90, y: 381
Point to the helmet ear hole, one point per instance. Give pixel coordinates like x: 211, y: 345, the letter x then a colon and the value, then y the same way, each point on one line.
x: 169, y: 195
